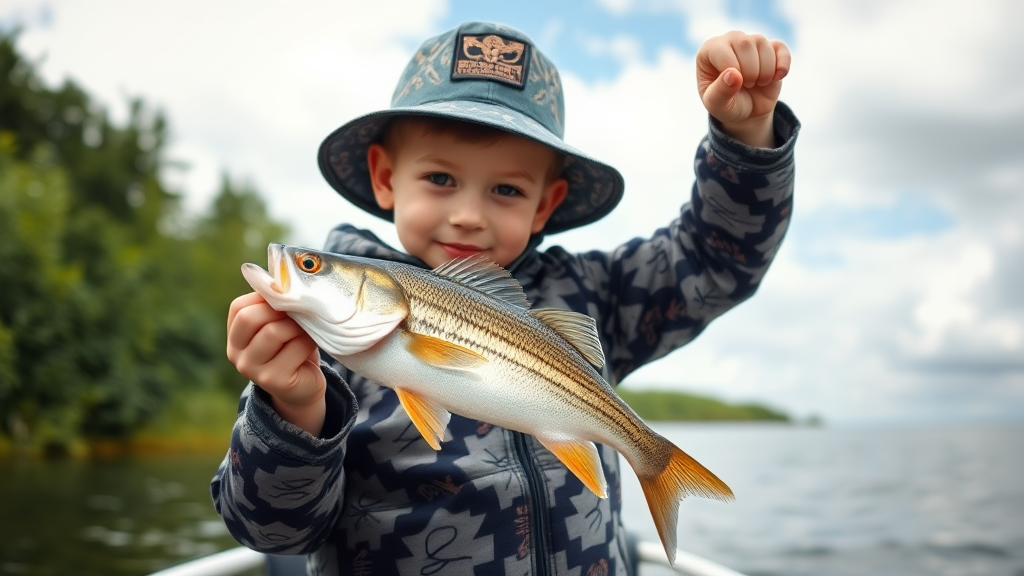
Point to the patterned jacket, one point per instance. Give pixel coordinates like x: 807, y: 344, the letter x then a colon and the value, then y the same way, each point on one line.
x: 369, y: 496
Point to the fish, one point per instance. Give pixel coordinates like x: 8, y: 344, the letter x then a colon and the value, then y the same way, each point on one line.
x: 462, y: 339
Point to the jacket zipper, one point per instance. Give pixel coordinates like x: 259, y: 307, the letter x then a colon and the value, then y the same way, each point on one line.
x: 537, y: 496
x: 535, y: 488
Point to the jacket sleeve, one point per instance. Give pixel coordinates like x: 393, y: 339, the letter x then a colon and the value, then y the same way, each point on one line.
x: 280, y: 489
x: 655, y: 295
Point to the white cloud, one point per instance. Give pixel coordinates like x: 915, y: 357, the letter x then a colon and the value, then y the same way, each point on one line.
x: 896, y: 98
x: 905, y: 98
x: 617, y: 6
x: 250, y: 89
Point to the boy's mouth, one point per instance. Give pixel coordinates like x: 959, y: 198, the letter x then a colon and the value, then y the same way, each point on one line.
x: 460, y: 250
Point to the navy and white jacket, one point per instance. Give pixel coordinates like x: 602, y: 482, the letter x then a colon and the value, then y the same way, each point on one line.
x: 369, y: 496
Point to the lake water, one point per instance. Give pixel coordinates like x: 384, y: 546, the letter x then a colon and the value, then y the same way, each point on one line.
x: 820, y: 501
x: 107, y: 517
x: 810, y: 501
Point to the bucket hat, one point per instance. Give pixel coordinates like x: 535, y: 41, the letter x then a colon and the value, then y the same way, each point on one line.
x: 489, y: 74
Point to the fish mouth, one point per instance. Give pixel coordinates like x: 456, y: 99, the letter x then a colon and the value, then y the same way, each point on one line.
x: 276, y: 261
x: 276, y: 279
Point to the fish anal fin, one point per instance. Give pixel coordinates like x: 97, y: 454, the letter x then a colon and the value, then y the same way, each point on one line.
x: 442, y: 353
x: 580, y: 457
x: 579, y: 329
x: 682, y: 476
x: 429, y: 418
x: 480, y: 273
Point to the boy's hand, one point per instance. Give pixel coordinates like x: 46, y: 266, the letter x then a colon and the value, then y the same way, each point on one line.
x: 269, y: 348
x: 739, y: 77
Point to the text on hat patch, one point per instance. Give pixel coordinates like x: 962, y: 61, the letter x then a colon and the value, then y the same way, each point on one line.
x: 491, y: 57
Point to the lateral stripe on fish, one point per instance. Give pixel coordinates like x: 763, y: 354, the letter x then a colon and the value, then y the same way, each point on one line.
x: 540, y: 367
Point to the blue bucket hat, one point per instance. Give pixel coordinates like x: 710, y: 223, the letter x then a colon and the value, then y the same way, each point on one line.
x: 488, y: 74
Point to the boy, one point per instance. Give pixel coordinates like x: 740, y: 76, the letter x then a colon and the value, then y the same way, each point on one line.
x: 469, y: 159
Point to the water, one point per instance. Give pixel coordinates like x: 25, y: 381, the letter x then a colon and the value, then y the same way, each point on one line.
x: 809, y: 501
x: 841, y: 502
x: 107, y: 517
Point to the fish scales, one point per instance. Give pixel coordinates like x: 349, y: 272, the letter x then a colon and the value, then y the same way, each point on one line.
x: 437, y: 307
x: 444, y: 345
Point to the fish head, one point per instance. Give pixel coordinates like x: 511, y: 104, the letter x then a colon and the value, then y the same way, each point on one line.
x: 344, y: 305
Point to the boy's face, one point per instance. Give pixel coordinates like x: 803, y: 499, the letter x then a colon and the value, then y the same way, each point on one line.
x: 452, y: 198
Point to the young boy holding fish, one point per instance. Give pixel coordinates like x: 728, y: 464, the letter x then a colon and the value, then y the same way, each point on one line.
x: 469, y: 162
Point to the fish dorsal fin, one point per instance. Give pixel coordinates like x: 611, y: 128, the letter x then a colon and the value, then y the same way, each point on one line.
x: 481, y: 274
x: 579, y: 329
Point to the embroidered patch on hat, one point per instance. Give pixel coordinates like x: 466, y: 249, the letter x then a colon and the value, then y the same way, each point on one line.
x: 491, y: 57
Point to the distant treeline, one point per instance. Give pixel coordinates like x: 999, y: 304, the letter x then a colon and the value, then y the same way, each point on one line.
x: 679, y: 406
x: 113, y: 300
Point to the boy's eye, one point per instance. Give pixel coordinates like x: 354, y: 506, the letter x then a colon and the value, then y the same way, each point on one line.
x: 506, y: 190
x: 440, y: 179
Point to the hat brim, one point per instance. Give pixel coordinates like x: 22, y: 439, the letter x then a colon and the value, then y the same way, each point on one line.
x: 594, y: 187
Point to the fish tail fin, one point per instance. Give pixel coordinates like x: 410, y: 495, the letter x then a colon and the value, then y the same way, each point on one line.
x: 682, y: 476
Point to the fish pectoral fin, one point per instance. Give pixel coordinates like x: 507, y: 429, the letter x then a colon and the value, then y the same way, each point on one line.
x: 580, y: 456
x: 443, y: 353
x: 429, y: 418
x: 578, y: 329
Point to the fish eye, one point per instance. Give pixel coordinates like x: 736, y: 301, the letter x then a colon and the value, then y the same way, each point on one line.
x: 308, y: 263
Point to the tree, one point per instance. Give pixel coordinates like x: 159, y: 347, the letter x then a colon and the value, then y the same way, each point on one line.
x: 236, y: 229
x: 112, y: 301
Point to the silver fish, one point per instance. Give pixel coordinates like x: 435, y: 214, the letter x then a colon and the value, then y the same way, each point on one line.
x: 462, y: 338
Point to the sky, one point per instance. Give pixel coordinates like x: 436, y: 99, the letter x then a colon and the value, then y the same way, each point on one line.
x: 898, y: 295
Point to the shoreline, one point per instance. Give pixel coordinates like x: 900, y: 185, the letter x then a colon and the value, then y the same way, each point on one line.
x: 200, y: 422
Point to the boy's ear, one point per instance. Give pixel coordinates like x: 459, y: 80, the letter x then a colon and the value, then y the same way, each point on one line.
x: 554, y: 194
x: 381, y: 168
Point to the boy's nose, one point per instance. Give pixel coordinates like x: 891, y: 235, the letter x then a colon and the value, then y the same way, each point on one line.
x: 467, y: 213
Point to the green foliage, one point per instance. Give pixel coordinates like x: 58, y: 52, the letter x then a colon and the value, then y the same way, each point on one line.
x: 678, y: 406
x: 112, y: 168
x: 8, y: 374
x: 237, y: 229
x: 111, y: 302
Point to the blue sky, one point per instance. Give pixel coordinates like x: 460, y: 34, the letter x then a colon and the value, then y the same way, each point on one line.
x: 815, y: 234
x: 567, y: 31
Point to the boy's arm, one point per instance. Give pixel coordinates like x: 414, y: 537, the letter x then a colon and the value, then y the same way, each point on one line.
x: 280, y: 489
x: 657, y: 294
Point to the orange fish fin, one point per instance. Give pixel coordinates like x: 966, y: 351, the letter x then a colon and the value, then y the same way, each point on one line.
x: 443, y: 353
x: 580, y: 456
x: 682, y: 476
x: 578, y: 329
x: 429, y: 418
